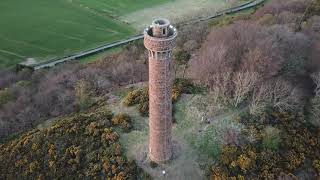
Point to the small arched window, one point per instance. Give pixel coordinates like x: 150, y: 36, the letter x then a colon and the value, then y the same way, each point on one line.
x: 163, y: 55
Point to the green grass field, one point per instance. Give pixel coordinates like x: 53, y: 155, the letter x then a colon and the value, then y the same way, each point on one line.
x: 116, y: 8
x: 44, y: 29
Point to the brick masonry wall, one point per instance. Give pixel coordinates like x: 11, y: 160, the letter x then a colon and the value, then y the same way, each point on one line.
x: 157, y: 45
x: 160, y: 110
x: 160, y: 92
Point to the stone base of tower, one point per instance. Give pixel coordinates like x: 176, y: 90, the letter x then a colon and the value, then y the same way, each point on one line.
x: 159, y: 159
x: 172, y: 153
x: 188, y: 166
x: 160, y: 153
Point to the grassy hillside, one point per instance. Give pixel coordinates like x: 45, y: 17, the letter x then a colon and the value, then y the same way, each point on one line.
x: 43, y: 29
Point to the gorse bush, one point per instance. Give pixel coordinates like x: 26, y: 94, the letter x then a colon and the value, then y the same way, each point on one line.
x: 247, y: 161
x: 236, y: 159
x: 294, y: 159
x: 80, y: 146
x: 140, y: 96
x: 176, y: 92
x: 134, y: 97
x: 316, y: 165
x: 143, y: 105
x: 228, y: 155
x: 263, y: 158
x: 122, y: 120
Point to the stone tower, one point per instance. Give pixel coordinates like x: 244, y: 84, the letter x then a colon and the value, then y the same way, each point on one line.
x: 160, y: 39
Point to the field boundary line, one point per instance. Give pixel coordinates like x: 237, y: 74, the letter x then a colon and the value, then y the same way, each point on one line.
x: 12, y: 53
x: 54, y: 62
x: 26, y: 43
x: 93, y: 27
x: 62, y: 35
x: 107, y: 29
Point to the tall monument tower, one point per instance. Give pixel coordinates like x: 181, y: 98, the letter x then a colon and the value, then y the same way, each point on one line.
x: 160, y: 39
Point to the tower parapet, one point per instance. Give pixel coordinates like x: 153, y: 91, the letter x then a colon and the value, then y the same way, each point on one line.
x: 160, y: 39
x: 156, y: 42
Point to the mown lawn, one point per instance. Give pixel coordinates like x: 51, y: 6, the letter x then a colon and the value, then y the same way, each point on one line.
x: 43, y: 29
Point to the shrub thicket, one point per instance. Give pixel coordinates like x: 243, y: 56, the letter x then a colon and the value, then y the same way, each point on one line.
x: 81, y: 146
x: 140, y: 96
x: 66, y: 88
x: 268, y: 158
x: 122, y: 120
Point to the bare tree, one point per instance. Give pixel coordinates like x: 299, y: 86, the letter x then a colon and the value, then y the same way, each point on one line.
x: 220, y: 87
x: 210, y: 65
x: 315, y: 111
x: 260, y: 99
x: 315, y: 101
x: 241, y: 47
x: 284, y: 96
x: 277, y: 6
x: 243, y: 85
x: 277, y: 93
x: 316, y: 79
x: 259, y: 59
x: 181, y: 58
